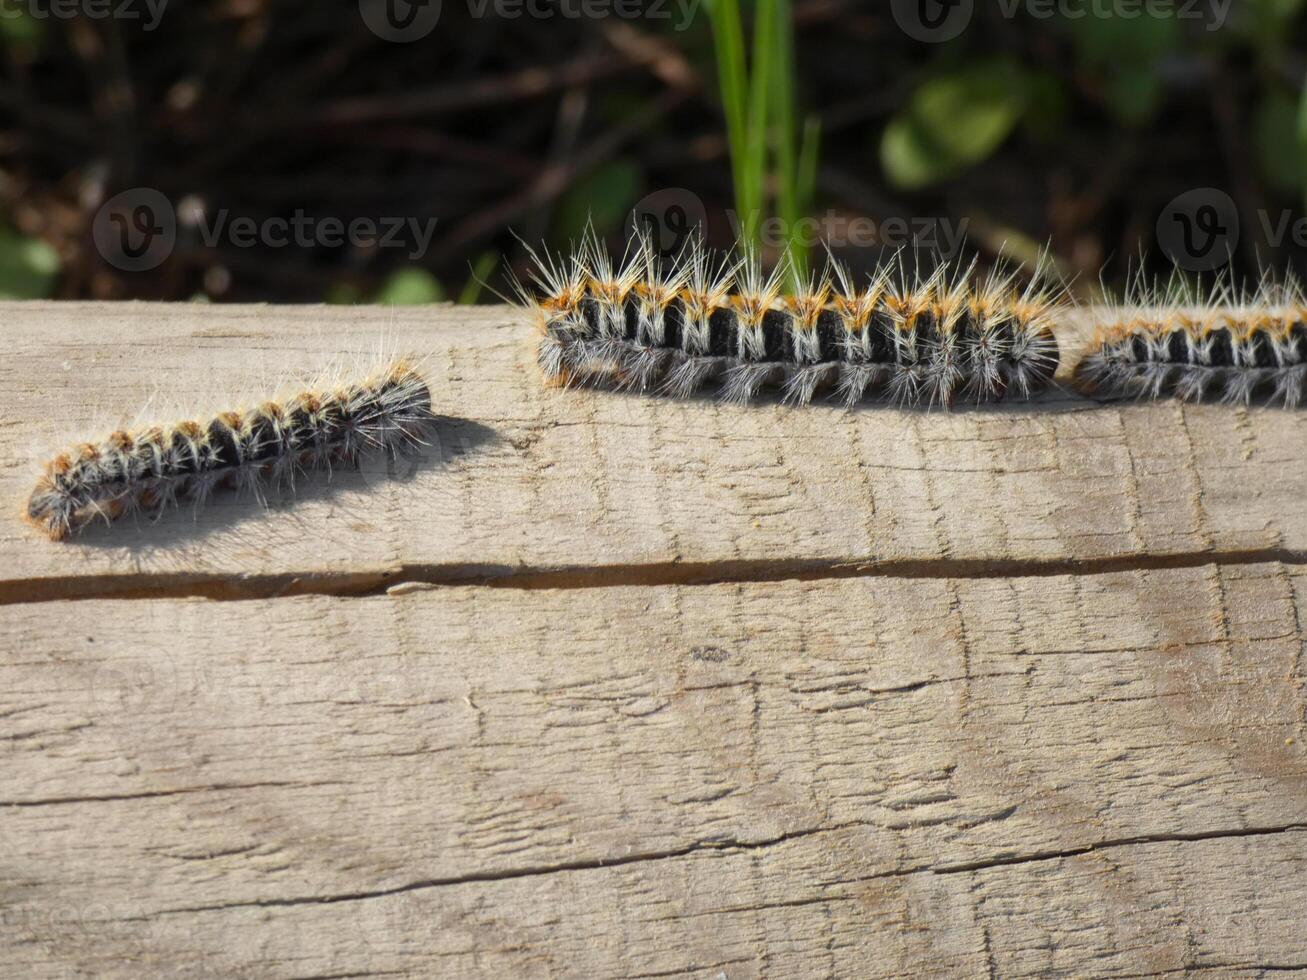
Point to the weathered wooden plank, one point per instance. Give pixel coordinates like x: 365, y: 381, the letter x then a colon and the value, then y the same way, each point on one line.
x: 1224, y: 907
x: 645, y: 489
x: 1094, y: 775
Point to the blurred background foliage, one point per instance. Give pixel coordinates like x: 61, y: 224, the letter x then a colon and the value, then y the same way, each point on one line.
x: 1067, y: 131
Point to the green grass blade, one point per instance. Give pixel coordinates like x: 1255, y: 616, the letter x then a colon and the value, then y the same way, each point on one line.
x: 789, y: 204
x: 485, y: 265
x: 1302, y: 140
x: 762, y: 87
x: 806, y: 185
x: 728, y: 45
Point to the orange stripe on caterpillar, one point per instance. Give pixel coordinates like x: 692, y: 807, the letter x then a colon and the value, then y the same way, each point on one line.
x: 1252, y: 351
x: 704, y: 320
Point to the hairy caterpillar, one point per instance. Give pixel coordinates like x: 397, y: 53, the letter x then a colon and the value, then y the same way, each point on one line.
x: 642, y: 326
x: 152, y: 469
x: 1254, y: 349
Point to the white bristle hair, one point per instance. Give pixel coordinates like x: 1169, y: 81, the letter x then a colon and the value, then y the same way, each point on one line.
x: 1178, y: 339
x: 908, y: 339
x: 265, y: 446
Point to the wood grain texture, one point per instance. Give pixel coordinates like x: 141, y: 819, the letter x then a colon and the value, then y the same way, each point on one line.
x: 1095, y: 774
x: 617, y: 686
x: 542, y: 481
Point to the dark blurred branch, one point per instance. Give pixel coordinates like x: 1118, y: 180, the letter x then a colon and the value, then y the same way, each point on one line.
x: 528, y: 83
x: 554, y: 179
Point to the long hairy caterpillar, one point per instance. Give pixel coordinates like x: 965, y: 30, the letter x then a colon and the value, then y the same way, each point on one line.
x: 674, y: 328
x: 1235, y: 349
x: 152, y: 469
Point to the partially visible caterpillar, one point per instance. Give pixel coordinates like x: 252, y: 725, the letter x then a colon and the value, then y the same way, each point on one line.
x: 1253, y: 350
x: 674, y: 330
x: 150, y: 470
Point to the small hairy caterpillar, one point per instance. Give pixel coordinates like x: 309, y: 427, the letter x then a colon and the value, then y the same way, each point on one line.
x: 152, y: 469
x: 1253, y: 349
x: 642, y: 326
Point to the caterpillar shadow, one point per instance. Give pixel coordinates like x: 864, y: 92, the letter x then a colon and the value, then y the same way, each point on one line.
x: 350, y: 489
x: 1056, y: 398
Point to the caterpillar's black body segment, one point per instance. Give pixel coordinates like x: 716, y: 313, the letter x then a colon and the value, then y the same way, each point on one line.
x: 1235, y: 358
x: 924, y: 360
x: 149, y: 470
x: 675, y: 332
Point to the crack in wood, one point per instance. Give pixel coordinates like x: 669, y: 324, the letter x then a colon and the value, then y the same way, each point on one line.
x: 414, y: 577
x: 598, y: 864
x: 1055, y: 855
x: 526, y: 872
x: 151, y: 794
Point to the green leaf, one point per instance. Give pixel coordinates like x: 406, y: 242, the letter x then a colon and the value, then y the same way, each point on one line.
x: 951, y: 123
x: 1275, y: 135
x: 1268, y: 25
x: 344, y: 294
x: 1278, y: 11
x: 1120, y: 54
x: 1047, y: 106
x: 28, y: 266
x: 410, y: 287
x: 18, y: 28
x: 1106, y: 39
x: 1133, y: 95
x: 603, y: 198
